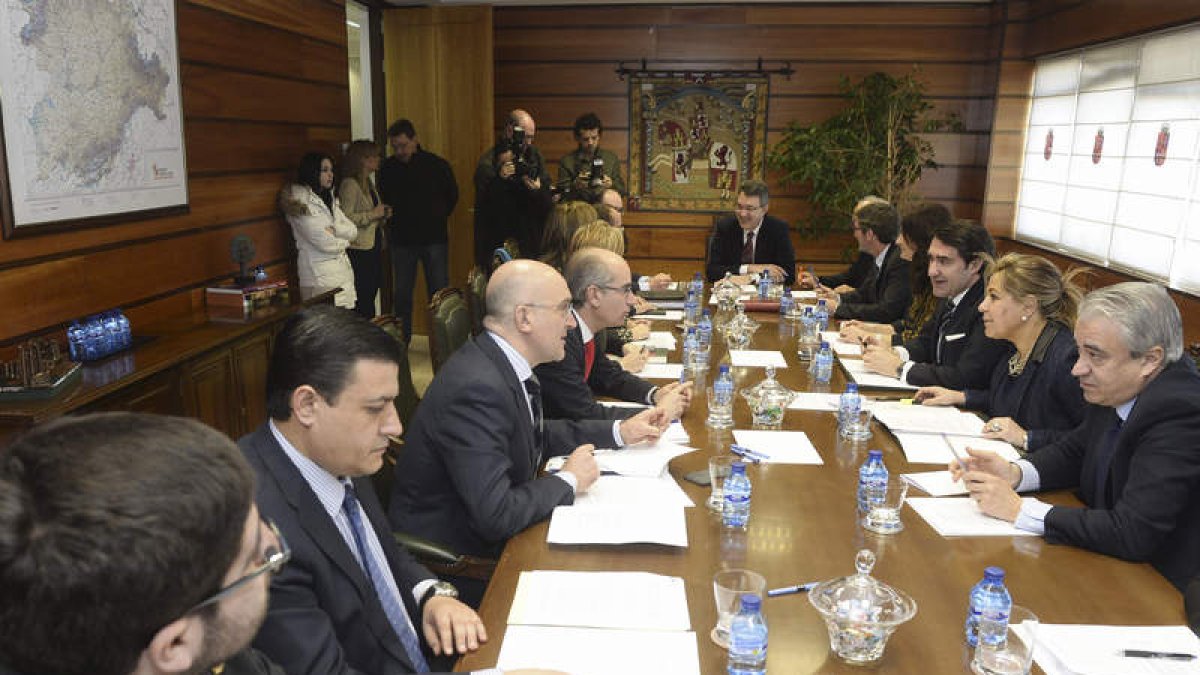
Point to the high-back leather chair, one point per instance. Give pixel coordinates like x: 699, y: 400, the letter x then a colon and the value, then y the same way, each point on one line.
x: 476, y: 292
x: 449, y: 325
x: 406, y: 401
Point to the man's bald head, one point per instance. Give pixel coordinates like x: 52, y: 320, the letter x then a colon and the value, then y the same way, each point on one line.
x: 521, y: 118
x: 519, y: 282
x: 612, y: 207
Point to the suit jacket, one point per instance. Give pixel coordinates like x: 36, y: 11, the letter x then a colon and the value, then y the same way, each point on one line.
x: 968, y: 355
x: 1191, y: 604
x: 566, y: 395
x: 772, y: 246
x: 1149, y: 509
x: 324, y: 615
x: 1045, y: 398
x: 357, y: 205
x: 854, y: 275
x: 884, y: 295
x: 467, y: 476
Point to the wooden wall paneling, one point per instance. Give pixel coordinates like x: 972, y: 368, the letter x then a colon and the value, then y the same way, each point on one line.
x: 318, y: 19
x: 228, y: 146
x: 1061, y: 26
x: 216, y: 93
x: 868, y: 43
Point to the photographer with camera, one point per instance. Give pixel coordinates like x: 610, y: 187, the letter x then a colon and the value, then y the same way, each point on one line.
x: 590, y: 170
x: 512, y: 195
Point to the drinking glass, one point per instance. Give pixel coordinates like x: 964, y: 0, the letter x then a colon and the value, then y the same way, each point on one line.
x: 719, y: 467
x: 883, y: 517
x: 728, y: 588
x: 1013, y: 656
x: 858, y: 427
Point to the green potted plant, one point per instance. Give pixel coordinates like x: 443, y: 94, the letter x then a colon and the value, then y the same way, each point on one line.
x: 873, y: 146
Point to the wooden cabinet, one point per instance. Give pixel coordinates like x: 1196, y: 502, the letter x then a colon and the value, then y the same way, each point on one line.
x: 210, y: 394
x: 251, y: 357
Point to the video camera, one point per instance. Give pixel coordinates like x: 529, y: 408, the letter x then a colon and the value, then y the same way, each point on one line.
x: 525, y: 168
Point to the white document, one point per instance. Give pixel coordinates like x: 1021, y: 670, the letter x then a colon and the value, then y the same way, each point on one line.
x: 936, y: 483
x: 667, y: 315
x: 665, y: 525
x: 629, y: 492
x: 833, y: 337
x: 846, y: 348
x: 621, y: 600
x: 661, y: 371
x: 1096, y: 650
x: 804, y: 295
x: 658, y: 339
x: 623, y: 404
x: 644, y: 460
x: 675, y: 433
x: 940, y: 449
x: 599, y: 651
x: 815, y: 401
x: 780, y: 447
x: 755, y: 358
x: 859, y: 373
x: 961, y: 517
x: 928, y: 419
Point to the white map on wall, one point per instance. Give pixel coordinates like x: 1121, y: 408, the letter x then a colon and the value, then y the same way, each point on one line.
x: 91, y: 107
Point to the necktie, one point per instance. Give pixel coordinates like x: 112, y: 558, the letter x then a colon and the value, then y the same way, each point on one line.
x: 942, y: 325
x: 1104, y: 457
x: 534, y: 389
x: 391, y: 604
x: 748, y: 249
x: 589, y: 357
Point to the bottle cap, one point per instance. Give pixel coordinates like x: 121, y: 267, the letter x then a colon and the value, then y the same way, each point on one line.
x: 751, y: 602
x: 824, y: 344
x: 851, y: 387
x: 878, y: 454
x: 738, y: 467
x: 724, y: 368
x: 994, y: 573
x: 821, y: 302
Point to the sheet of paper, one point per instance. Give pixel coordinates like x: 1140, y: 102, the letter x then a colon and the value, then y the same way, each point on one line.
x: 804, y: 295
x: 661, y: 371
x: 780, y: 447
x: 599, y: 651
x: 815, y: 401
x: 922, y: 448
x: 622, y: 404
x: 658, y: 339
x: 621, y: 600
x: 675, y: 433
x: 757, y: 358
x: 961, y: 517
x: 1095, y: 650
x: 959, y: 444
x: 928, y: 419
x: 832, y: 337
x: 668, y: 315
x: 847, y: 348
x: 626, y: 491
x: 858, y: 372
x: 618, y: 525
x: 935, y: 483
x: 644, y: 460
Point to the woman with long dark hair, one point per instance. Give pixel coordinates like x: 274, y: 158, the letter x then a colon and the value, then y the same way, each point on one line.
x: 322, y: 232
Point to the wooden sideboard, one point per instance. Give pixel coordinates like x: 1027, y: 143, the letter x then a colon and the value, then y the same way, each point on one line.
x: 215, y: 371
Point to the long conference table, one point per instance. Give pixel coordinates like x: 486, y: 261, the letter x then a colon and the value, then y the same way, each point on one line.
x: 803, y: 527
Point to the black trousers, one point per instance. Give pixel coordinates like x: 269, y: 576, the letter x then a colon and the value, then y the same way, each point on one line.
x: 368, y: 273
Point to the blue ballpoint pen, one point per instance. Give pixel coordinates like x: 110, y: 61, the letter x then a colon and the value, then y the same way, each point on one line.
x: 752, y: 455
x: 789, y: 590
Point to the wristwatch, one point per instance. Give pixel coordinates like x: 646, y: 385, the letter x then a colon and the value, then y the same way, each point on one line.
x: 440, y: 588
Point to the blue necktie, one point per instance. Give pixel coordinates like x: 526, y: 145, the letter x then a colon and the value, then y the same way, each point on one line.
x: 391, y: 604
x: 942, y: 326
x: 1104, y: 457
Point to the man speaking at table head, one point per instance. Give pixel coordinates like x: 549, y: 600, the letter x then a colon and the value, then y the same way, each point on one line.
x: 601, y: 292
x: 750, y: 241
x: 1133, y: 459
x: 467, y: 477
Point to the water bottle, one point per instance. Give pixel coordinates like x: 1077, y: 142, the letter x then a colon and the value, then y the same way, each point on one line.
x: 697, y: 285
x: 126, y: 331
x: 748, y: 639
x: 704, y: 331
x: 821, y: 315
x: 113, y: 328
x: 764, y: 286
x: 808, y: 335
x: 988, y: 607
x: 690, y: 347
x: 691, y: 308
x: 785, y: 304
x: 848, y: 406
x: 872, y: 481
x: 736, y: 513
x: 95, y: 345
x: 823, y: 364
x: 76, y: 336
x: 720, y: 403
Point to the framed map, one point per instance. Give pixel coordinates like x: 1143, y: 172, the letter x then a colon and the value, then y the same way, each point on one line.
x: 694, y: 138
x: 91, y: 121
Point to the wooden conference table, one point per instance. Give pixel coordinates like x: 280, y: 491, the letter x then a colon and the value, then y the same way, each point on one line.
x: 803, y: 527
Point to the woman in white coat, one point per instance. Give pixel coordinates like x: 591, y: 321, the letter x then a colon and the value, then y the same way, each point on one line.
x: 322, y: 232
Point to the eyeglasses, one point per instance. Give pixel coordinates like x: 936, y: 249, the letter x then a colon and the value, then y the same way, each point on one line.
x: 623, y: 290
x: 273, y: 560
x: 747, y: 208
x: 563, y: 307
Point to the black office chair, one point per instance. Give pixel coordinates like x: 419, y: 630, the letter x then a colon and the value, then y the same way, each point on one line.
x: 449, y: 325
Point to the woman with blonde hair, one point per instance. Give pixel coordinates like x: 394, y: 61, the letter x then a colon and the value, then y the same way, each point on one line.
x: 322, y: 232
x: 361, y: 204
x: 1033, y: 398
x: 560, y: 227
x: 598, y: 234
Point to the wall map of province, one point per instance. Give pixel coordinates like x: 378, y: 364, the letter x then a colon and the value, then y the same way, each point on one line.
x: 694, y: 139
x: 91, y: 108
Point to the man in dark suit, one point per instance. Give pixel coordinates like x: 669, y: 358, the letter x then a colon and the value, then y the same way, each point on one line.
x: 601, y: 292
x: 952, y: 349
x: 351, y: 601
x: 467, y: 477
x: 1133, y: 458
x: 856, y: 274
x: 751, y: 242
x: 883, y: 296
x: 131, y: 544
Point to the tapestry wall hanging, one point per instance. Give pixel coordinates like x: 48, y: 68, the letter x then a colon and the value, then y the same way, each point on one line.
x: 693, y: 139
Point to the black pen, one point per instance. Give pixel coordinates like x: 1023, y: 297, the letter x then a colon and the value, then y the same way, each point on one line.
x: 1144, y: 654
x: 789, y: 590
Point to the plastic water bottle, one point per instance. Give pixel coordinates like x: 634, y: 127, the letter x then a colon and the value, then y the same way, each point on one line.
x: 872, y: 481
x: 691, y: 345
x: 785, y: 304
x: 748, y: 639
x: 764, y: 286
x: 848, y: 406
x: 988, y: 608
x: 823, y: 364
x: 112, y: 326
x: 821, y: 314
x: 704, y: 331
x: 95, y: 345
x: 691, y: 308
x: 720, y: 404
x: 736, y: 513
x: 76, y: 336
x: 808, y: 342
x: 697, y: 285
x: 124, y: 329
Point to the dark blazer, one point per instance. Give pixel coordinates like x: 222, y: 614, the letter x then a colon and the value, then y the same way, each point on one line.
x: 1045, y: 398
x: 884, y: 295
x: 772, y: 246
x: 1191, y: 604
x: 324, y: 615
x: 1150, y: 507
x: 566, y: 395
x: 854, y: 275
x: 968, y: 355
x: 466, y: 477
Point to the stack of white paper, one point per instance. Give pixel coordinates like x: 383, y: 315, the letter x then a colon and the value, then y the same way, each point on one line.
x: 859, y: 373
x: 1098, y: 650
x: 804, y: 295
x: 936, y: 483
x: 779, y: 447
x: 618, y: 525
x: 928, y: 419
x: 657, y: 340
x: 941, y: 448
x: 815, y: 401
x: 661, y: 371
x: 637, y: 492
x: 623, y: 600
x: 753, y: 358
x: 961, y: 517
x: 598, y: 651
x: 667, y: 315
x: 646, y: 460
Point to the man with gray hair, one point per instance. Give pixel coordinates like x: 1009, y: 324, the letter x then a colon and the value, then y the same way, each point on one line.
x: 1134, y: 457
x: 601, y: 293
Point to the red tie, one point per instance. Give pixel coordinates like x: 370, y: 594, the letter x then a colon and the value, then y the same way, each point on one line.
x: 589, y: 357
x: 748, y: 249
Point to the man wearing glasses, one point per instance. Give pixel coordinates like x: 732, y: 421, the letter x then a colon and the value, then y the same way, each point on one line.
x: 601, y: 293
x: 750, y: 242
x: 467, y: 477
x: 130, y: 543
